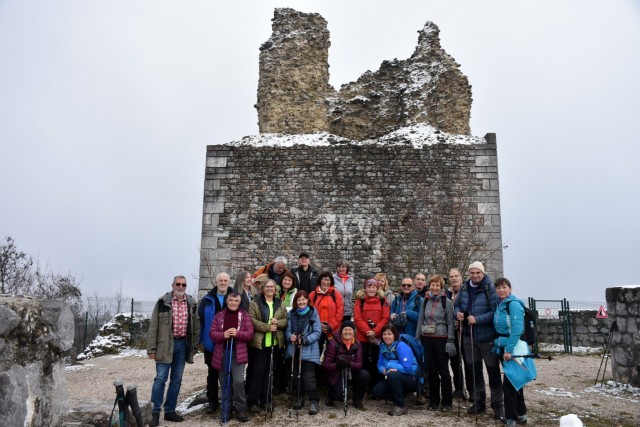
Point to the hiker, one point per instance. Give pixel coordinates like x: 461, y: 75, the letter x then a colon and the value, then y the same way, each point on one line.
x: 383, y: 283
x: 274, y: 269
x: 475, y: 308
x: 420, y: 283
x: 399, y: 367
x: 269, y: 319
x: 371, y: 315
x: 303, y: 333
x: 307, y: 275
x: 211, y: 304
x: 288, y: 289
x: 231, y: 330
x: 174, y: 333
x: 330, y: 306
x: 509, y: 324
x: 345, y: 352
x: 344, y: 283
x: 405, y: 308
x: 436, y: 332
x: 455, y: 283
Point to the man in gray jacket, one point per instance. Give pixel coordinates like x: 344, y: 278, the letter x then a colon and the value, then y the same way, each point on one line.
x: 174, y: 333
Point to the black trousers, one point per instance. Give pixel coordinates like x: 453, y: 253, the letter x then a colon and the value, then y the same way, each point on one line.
x: 514, y: 405
x: 438, y: 368
x: 456, y: 362
x: 370, y: 353
x: 260, y: 359
x: 308, y: 386
x: 359, y: 382
x: 395, y: 386
x: 212, y: 379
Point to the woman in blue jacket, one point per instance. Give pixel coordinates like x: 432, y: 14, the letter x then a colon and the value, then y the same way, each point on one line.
x: 509, y: 324
x: 399, y: 367
x: 303, y: 333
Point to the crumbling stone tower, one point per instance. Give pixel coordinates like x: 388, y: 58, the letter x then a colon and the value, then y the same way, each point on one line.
x: 294, y: 94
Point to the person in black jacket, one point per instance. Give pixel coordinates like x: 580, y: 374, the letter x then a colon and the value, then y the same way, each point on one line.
x: 307, y: 276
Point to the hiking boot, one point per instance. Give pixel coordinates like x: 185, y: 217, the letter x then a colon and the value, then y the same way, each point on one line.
x: 522, y: 419
x: 329, y: 402
x: 446, y: 408
x: 255, y: 409
x: 212, y: 408
x: 314, y: 407
x: 476, y: 409
x: 420, y: 400
x: 155, y: 420
x: 358, y: 404
x: 511, y: 423
x: 173, y: 417
x: 498, y: 411
x: 458, y: 394
x: 397, y: 411
x: 433, y: 407
x: 299, y: 404
x: 242, y: 416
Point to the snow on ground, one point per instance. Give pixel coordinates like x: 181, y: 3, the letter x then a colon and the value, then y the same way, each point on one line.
x: 556, y: 391
x: 131, y: 352
x: 183, y: 406
x: 559, y: 348
x: 616, y: 390
x: 73, y: 368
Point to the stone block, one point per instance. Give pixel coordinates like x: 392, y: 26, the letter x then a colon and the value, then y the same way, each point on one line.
x: 216, y: 162
x: 486, y: 161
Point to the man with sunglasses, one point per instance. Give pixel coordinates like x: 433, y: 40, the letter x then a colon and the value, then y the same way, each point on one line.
x: 174, y: 333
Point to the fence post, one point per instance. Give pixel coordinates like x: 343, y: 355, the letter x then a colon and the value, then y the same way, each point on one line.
x: 131, y: 326
x: 569, y: 326
x: 86, y: 324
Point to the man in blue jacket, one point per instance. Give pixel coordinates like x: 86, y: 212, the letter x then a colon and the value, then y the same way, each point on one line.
x: 213, y: 302
x: 474, y: 308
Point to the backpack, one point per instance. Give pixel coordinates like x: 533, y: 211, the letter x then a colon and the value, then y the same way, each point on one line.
x: 418, y: 353
x: 529, y: 334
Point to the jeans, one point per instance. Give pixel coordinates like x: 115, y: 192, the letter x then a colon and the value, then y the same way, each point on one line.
x: 396, y: 385
x: 176, y: 367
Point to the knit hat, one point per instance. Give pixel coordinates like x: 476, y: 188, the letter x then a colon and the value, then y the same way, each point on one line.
x: 348, y: 324
x: 478, y: 265
x: 370, y: 281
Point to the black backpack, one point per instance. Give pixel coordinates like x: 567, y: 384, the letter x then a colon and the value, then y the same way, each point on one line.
x: 529, y: 334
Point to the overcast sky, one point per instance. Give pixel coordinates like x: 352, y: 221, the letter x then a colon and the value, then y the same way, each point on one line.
x: 106, y: 108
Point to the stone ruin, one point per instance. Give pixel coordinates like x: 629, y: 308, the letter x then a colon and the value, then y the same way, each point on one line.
x: 383, y: 172
x: 295, y: 97
x: 35, y: 336
x: 623, y: 307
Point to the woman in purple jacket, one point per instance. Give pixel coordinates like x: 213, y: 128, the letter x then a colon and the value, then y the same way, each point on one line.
x: 231, y: 330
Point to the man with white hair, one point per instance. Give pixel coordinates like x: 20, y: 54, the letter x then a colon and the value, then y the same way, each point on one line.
x: 213, y: 302
x: 474, y: 308
x: 171, y: 342
x: 275, y: 270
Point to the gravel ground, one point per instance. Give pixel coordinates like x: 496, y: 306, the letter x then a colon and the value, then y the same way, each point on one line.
x: 564, y: 386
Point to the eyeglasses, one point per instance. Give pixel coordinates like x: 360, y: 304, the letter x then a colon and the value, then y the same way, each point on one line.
x: 405, y: 285
x: 184, y: 285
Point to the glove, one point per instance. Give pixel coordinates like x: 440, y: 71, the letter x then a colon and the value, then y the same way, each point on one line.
x: 450, y: 349
x: 341, y: 363
x: 303, y: 341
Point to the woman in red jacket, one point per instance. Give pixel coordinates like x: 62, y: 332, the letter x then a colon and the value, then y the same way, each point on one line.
x: 330, y: 306
x: 231, y: 330
x: 371, y: 314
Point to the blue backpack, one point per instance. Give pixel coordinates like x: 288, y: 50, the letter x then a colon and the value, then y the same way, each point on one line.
x: 418, y: 353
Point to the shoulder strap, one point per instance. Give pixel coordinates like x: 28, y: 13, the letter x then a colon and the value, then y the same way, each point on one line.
x: 443, y: 300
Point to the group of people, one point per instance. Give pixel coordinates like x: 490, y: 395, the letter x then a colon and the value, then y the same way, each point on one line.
x: 279, y: 328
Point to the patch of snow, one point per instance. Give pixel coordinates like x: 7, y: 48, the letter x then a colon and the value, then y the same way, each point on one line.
x: 130, y: 352
x: 75, y: 368
x: 183, y: 407
x: 560, y: 392
x: 559, y: 348
x: 617, y: 391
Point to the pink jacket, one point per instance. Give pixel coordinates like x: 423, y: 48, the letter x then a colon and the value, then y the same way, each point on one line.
x: 245, y: 333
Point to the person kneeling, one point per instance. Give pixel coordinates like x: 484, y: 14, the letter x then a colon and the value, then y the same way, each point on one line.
x: 343, y: 364
x: 399, y: 367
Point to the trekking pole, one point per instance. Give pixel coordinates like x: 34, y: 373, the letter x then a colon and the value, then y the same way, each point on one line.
x: 293, y: 366
x: 121, y: 402
x: 473, y: 373
x: 226, y: 398
x: 345, y: 387
x: 460, y: 367
x: 607, y: 353
x: 299, y: 376
x: 268, y: 407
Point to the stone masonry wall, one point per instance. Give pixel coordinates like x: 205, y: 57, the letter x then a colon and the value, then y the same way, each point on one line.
x: 383, y: 207
x: 623, y: 307
x: 295, y: 97
x: 586, y: 330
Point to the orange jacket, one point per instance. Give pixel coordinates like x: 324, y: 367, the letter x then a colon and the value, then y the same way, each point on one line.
x: 330, y: 306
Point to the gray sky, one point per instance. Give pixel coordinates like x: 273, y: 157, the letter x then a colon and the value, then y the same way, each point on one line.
x: 106, y: 108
